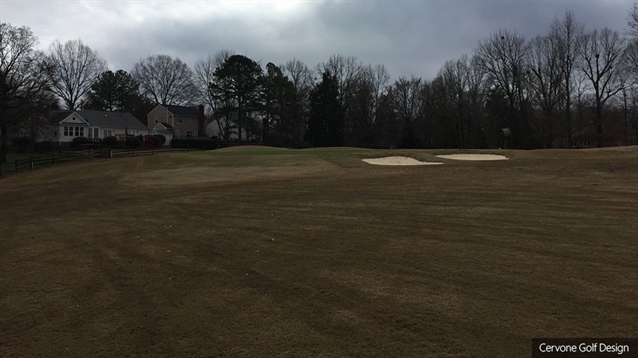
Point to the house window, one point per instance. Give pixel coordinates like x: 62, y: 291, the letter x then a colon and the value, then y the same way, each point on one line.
x: 189, y: 133
x: 180, y: 120
x: 156, y: 119
x: 108, y: 132
x: 574, y: 145
x: 586, y: 143
x: 177, y: 133
x: 74, y: 131
x: 195, y: 133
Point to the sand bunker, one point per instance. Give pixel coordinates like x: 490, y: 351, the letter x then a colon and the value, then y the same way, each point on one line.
x: 397, y: 161
x: 473, y: 157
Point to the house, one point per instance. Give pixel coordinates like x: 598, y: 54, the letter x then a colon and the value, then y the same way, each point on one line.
x: 164, y: 129
x: 66, y: 125
x: 251, y: 130
x: 183, y: 122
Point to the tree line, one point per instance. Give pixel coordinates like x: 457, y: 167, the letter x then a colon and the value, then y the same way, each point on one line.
x: 545, y: 90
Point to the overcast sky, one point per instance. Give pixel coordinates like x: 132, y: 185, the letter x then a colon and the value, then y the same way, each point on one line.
x: 408, y: 37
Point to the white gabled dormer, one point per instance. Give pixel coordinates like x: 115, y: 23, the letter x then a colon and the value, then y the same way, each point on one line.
x: 74, y: 118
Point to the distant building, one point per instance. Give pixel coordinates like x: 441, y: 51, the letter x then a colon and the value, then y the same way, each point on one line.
x: 182, y: 122
x: 95, y: 125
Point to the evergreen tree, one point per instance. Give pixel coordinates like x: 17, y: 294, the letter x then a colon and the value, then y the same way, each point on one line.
x: 238, y: 82
x: 113, y: 92
x: 325, y: 126
x: 278, y: 98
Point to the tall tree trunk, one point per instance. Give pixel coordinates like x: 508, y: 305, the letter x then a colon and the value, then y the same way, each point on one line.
x: 568, y: 112
x: 549, y: 135
x: 599, y: 125
x: 264, y: 130
x: 239, y: 120
x: 3, y: 143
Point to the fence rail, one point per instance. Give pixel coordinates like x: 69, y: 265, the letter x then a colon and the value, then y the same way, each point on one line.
x: 38, y: 161
x: 67, y: 156
x: 141, y: 152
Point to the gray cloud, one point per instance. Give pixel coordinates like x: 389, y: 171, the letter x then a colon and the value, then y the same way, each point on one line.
x: 410, y: 38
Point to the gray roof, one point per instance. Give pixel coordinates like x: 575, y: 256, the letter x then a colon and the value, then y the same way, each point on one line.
x: 162, y: 132
x: 102, y: 119
x: 58, y: 116
x: 182, y: 111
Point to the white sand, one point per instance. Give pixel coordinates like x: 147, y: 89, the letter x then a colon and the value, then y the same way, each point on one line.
x: 397, y: 161
x: 473, y: 157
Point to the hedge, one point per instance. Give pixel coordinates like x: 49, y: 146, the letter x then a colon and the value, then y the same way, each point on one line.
x: 78, y: 141
x: 132, y: 142
x: 110, y: 141
x: 161, y: 138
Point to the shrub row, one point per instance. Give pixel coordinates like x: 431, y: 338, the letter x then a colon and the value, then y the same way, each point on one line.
x: 78, y: 141
x: 21, y: 143
x: 132, y: 142
x: 110, y: 141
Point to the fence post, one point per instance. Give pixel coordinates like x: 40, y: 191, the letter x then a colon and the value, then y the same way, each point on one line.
x: 92, y: 149
x: 133, y: 150
x: 31, y: 159
x: 16, y: 166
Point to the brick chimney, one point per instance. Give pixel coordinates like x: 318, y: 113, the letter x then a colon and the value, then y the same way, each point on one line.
x: 202, y: 121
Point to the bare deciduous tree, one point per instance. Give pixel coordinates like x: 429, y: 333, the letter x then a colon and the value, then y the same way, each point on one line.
x: 348, y: 72
x: 202, y: 80
x: 372, y: 86
x: 632, y: 21
x: 23, y: 74
x: 300, y: 75
x: 568, y: 35
x: 165, y: 80
x: 405, y: 97
x: 545, y: 81
x: 302, y: 78
x: 601, y: 54
x: 502, y: 57
x: 74, y: 69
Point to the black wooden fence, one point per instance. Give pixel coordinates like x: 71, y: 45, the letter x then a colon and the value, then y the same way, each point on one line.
x: 118, y: 153
x: 60, y: 157
x: 47, y: 159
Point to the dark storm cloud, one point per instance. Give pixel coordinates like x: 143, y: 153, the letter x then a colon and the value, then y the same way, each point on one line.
x: 410, y: 38
x: 418, y: 37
